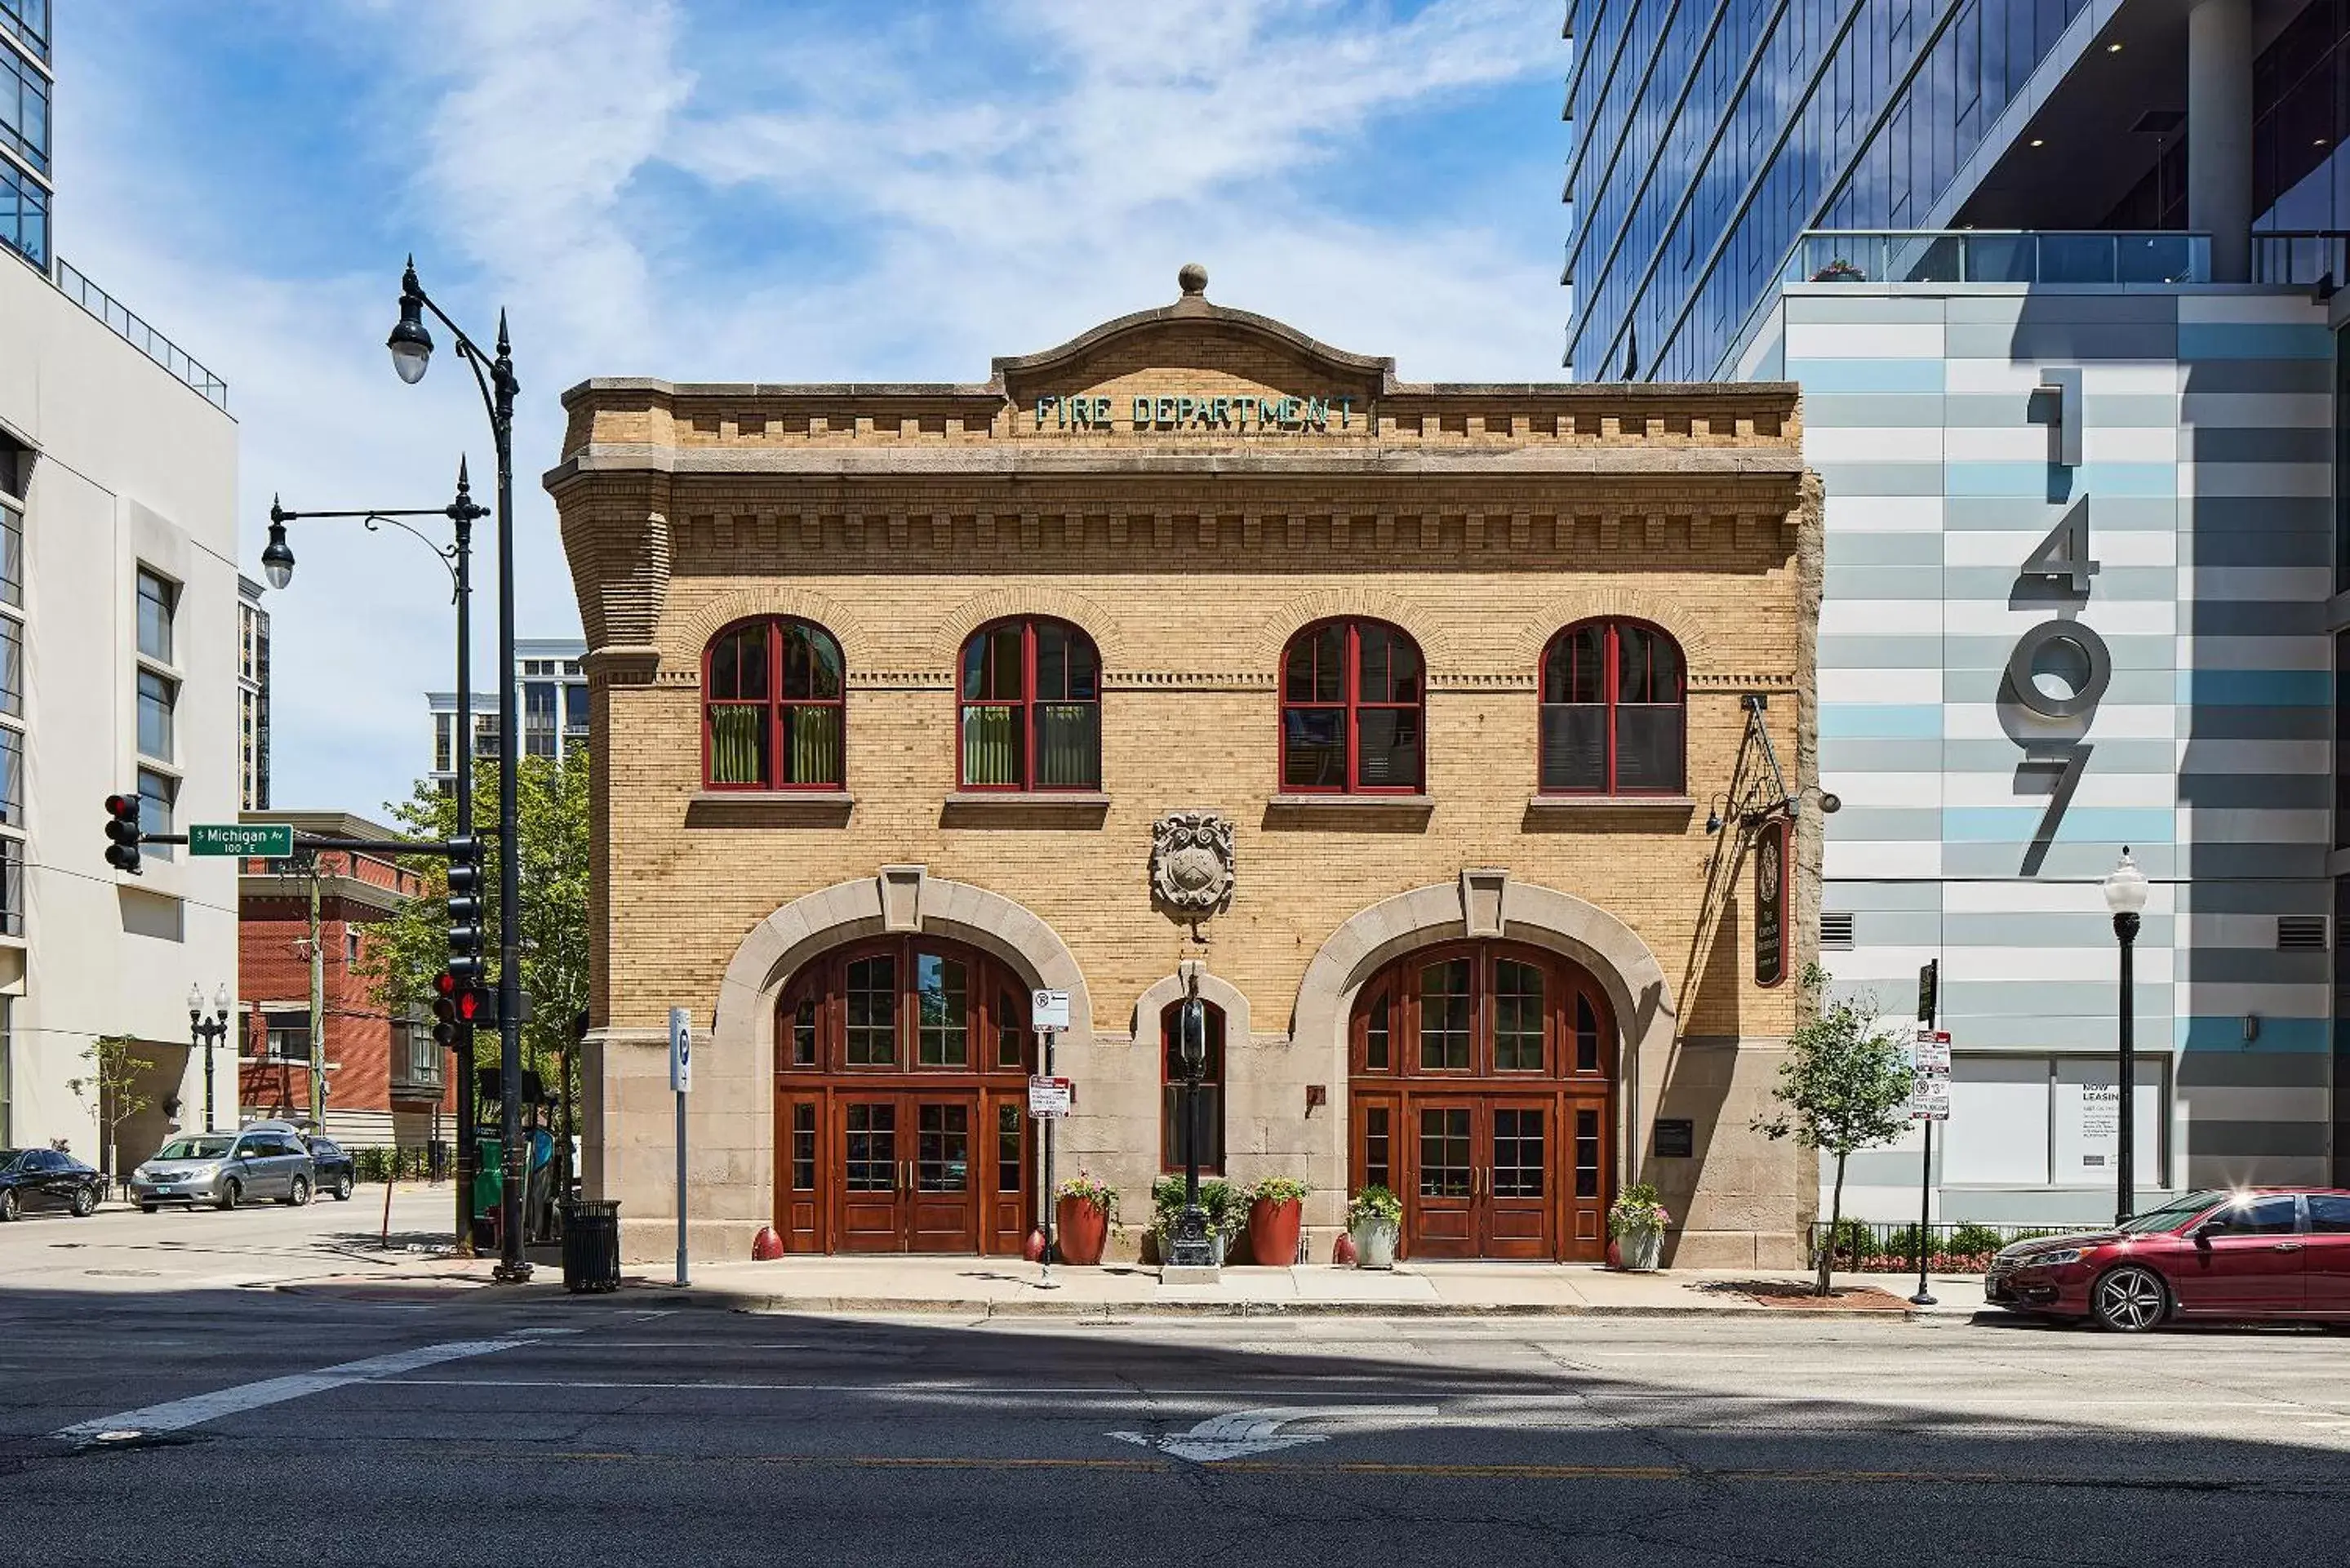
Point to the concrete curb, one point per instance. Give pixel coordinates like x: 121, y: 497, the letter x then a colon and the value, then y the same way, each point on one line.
x: 895, y: 1306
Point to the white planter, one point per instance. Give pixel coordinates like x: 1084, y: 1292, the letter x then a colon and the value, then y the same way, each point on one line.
x: 1642, y: 1251
x: 1375, y: 1243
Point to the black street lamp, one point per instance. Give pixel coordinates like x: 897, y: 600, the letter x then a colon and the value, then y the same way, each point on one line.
x: 2125, y: 895
x: 412, y: 353
x: 1191, y: 1248
x: 207, y: 1032
x: 278, y: 560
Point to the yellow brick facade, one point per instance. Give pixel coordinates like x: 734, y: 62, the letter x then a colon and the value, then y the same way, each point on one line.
x: 1481, y: 520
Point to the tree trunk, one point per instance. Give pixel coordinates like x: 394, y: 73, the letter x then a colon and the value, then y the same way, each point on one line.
x: 1835, y: 1218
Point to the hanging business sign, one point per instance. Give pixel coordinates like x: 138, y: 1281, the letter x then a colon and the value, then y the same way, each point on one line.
x: 1771, y: 880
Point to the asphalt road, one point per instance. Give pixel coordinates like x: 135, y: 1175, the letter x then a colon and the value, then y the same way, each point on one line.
x: 192, y: 1423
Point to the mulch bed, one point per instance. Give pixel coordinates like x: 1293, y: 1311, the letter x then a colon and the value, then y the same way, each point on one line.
x: 1799, y: 1297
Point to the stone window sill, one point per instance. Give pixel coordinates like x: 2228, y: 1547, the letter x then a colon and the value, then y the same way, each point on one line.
x: 1371, y: 813
x: 1023, y: 808
x: 769, y: 808
x: 1612, y: 803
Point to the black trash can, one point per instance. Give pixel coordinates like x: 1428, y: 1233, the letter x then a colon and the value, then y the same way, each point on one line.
x: 591, y: 1246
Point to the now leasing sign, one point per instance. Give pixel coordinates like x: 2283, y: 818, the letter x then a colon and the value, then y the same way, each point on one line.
x: 245, y: 840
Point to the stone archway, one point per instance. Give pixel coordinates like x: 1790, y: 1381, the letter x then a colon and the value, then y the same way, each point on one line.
x: 1489, y: 903
x: 733, y: 1115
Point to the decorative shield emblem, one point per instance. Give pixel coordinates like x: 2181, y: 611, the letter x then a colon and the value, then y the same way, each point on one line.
x: 1192, y: 863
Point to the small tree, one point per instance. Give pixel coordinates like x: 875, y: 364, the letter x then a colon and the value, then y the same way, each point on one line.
x: 1845, y: 1086
x: 113, y: 1081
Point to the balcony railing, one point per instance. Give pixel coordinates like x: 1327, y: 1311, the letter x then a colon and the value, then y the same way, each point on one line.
x: 2300, y: 257
x: 1999, y: 255
x: 140, y: 335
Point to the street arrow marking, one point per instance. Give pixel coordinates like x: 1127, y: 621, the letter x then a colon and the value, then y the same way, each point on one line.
x: 1241, y: 1433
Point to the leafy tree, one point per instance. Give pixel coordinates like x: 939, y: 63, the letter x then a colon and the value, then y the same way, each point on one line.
x: 1844, y: 1088
x: 114, y: 1081
x: 412, y: 946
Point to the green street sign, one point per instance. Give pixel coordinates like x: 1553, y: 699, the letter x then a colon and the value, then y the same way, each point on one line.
x: 245, y: 840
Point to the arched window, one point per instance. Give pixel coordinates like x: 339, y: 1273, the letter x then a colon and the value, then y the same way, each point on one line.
x: 1351, y: 694
x: 1174, y: 1138
x: 771, y: 716
x: 1614, y: 710
x: 1031, y: 693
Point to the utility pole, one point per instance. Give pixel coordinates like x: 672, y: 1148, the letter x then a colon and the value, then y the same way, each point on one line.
x: 318, y: 1007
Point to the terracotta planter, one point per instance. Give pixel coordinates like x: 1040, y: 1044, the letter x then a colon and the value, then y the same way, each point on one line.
x: 1084, y: 1231
x: 1272, y: 1231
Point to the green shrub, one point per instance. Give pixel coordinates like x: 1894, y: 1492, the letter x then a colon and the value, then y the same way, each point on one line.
x: 1218, y: 1197
x: 1971, y: 1238
x: 1855, y: 1239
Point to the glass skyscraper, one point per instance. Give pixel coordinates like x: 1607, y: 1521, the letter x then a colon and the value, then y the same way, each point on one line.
x: 1705, y: 138
x: 24, y: 174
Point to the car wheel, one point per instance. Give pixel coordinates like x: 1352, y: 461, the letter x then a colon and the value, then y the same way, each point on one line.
x: 7, y: 1203
x: 2130, y: 1300
x: 232, y: 1194
x: 85, y: 1202
x: 343, y: 1188
x: 299, y: 1193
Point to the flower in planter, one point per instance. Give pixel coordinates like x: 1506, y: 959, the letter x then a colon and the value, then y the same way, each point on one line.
x: 1219, y: 1199
x: 1090, y: 1189
x: 1839, y: 270
x: 1374, y: 1204
x: 1279, y: 1189
x: 1637, y: 1209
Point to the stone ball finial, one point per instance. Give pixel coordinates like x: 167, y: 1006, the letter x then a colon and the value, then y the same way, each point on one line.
x: 1192, y: 279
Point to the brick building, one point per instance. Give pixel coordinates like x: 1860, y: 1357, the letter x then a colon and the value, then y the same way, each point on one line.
x: 894, y: 685
x: 386, y: 1077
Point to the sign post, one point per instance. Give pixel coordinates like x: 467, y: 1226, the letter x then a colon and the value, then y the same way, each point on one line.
x: 680, y: 1079
x: 1929, y: 1102
x: 1049, y: 1012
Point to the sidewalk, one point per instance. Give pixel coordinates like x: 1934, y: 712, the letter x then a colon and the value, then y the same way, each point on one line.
x: 993, y: 1287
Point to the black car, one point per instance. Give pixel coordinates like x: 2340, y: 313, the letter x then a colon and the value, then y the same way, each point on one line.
x: 32, y: 1179
x: 336, y: 1171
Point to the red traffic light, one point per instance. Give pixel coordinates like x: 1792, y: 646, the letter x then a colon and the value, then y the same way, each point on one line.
x: 445, y: 985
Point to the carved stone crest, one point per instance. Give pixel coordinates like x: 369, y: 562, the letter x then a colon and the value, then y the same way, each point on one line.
x: 1192, y: 863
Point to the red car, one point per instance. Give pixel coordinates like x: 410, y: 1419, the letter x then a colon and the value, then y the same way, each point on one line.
x: 2255, y: 1253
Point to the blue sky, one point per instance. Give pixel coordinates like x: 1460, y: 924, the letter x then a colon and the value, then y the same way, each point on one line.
x: 771, y: 189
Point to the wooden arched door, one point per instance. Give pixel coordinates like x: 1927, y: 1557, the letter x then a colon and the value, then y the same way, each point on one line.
x: 1480, y: 1091
x: 901, y: 1102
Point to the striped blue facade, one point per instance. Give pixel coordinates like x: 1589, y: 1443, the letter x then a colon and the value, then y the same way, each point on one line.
x: 2206, y: 472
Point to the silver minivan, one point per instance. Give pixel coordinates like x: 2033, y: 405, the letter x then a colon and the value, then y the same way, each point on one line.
x: 265, y: 1160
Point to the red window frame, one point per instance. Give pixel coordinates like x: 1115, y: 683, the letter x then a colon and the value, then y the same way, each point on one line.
x: 774, y: 704
x: 1353, y: 704
x: 1612, y: 698
x: 995, y: 1008
x: 1025, y: 705
x: 1567, y: 987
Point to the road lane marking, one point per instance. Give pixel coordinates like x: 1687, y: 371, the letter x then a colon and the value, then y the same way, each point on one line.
x: 1239, y: 1434
x: 173, y: 1414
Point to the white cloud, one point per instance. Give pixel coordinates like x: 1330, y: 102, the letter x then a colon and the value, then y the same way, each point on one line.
x: 972, y: 182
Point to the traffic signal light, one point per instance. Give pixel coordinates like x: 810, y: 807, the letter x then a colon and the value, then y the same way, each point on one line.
x: 455, y: 1002
x: 122, y: 833
x: 465, y: 909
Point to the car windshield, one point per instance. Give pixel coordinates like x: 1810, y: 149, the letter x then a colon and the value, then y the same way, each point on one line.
x: 193, y: 1148
x: 2171, y: 1216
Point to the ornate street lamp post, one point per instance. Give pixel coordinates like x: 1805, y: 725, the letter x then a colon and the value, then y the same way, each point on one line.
x: 411, y: 352
x: 1191, y: 1248
x: 2125, y: 889
x: 464, y: 512
x: 207, y: 1032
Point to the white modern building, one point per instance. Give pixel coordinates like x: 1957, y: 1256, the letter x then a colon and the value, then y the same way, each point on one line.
x: 552, y: 689
x: 119, y: 637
